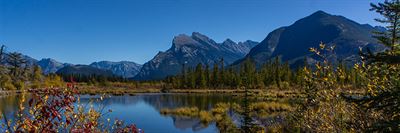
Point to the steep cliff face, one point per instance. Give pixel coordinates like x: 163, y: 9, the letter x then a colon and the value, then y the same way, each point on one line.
x: 192, y: 50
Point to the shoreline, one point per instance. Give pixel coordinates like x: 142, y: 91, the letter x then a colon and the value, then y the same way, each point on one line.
x: 272, y: 93
x: 10, y: 92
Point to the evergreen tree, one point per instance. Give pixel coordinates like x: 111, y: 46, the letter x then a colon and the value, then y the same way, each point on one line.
x: 183, y: 76
x: 391, y: 16
x: 221, y: 78
x: 382, y: 73
x: 277, y: 73
x: 215, y: 76
x: 36, y: 77
x: 17, y: 62
x: 2, y: 53
x: 192, y: 78
x: 200, y: 78
x: 207, y: 75
x: 248, y: 74
x: 6, y: 82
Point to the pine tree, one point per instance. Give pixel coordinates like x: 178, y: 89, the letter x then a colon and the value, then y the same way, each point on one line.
x: 37, y: 77
x: 207, y: 75
x: 200, y: 78
x: 382, y: 72
x: 390, y: 11
x: 215, y: 76
x: 221, y: 78
x: 17, y: 62
x: 248, y: 74
x: 6, y: 82
x: 391, y: 16
x: 2, y: 53
x: 192, y: 78
x: 287, y: 72
x: 183, y: 77
x: 277, y: 72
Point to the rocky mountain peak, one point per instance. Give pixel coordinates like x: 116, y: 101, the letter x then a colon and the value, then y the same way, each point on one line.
x: 291, y: 43
x: 228, y: 41
x: 203, y: 39
x: 49, y: 65
x: 320, y: 14
x: 124, y: 69
x: 191, y: 51
x: 182, y: 40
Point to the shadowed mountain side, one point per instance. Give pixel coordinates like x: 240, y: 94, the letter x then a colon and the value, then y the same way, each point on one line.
x: 292, y: 43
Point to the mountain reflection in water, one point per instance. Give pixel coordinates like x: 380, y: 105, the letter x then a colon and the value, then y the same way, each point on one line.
x: 144, y: 110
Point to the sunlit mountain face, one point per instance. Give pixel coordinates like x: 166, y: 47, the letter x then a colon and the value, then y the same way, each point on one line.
x: 191, y: 50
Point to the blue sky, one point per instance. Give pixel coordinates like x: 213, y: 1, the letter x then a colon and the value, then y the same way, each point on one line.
x: 84, y: 31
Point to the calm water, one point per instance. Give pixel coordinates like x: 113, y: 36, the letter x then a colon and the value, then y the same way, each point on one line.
x: 143, y: 110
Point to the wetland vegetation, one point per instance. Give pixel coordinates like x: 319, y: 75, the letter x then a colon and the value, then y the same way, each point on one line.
x: 273, y: 97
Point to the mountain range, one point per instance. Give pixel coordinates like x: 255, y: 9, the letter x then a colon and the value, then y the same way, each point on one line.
x: 124, y: 69
x: 290, y: 43
x: 190, y: 51
x: 49, y: 65
x: 84, y: 70
x: 29, y: 60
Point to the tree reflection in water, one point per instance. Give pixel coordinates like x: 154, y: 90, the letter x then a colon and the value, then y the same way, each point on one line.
x: 225, y: 112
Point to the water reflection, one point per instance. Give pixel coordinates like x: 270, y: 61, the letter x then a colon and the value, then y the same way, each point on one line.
x: 185, y: 123
x: 144, y: 111
x: 9, y: 104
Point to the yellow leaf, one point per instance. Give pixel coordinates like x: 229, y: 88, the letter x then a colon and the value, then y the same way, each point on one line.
x: 321, y: 45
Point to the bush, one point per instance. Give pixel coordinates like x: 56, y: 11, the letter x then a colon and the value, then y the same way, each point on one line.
x: 205, y: 117
x: 9, y: 86
x: 19, y: 85
x: 54, y: 110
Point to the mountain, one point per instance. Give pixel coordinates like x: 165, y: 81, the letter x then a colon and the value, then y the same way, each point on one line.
x: 123, y: 68
x: 49, y: 65
x: 291, y: 43
x: 192, y: 50
x: 29, y: 60
x: 84, y: 70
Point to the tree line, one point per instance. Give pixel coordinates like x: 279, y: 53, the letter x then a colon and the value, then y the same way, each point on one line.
x: 274, y: 73
x: 94, y: 79
x: 17, y: 74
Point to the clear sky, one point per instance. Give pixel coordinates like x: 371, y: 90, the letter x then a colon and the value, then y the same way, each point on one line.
x: 84, y: 31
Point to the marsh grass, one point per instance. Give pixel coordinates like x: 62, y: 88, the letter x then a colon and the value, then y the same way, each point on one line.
x: 220, y: 113
x: 268, y: 109
x: 205, y: 117
x: 185, y: 111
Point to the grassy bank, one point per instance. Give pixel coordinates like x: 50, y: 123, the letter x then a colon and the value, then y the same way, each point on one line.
x: 266, y: 94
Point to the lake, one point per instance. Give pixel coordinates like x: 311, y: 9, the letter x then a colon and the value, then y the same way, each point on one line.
x: 144, y: 110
